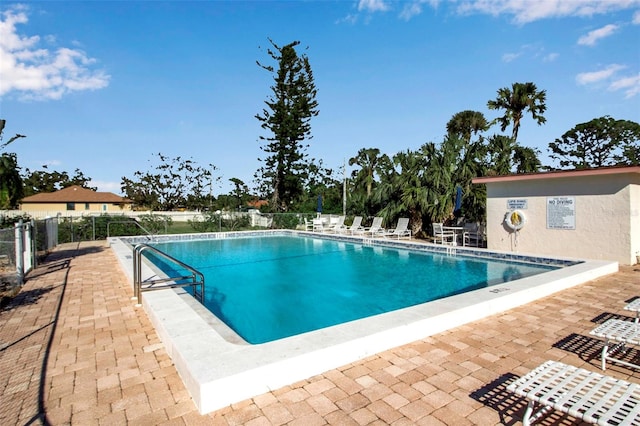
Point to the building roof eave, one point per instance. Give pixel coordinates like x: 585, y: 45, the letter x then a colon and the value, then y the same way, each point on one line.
x: 558, y: 174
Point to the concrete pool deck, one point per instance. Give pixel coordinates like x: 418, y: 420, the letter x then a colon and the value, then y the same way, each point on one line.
x: 73, y: 349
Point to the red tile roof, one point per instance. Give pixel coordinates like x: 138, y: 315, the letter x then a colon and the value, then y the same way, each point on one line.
x: 76, y: 194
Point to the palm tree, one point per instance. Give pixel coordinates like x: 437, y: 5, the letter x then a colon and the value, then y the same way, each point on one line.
x: 367, y: 159
x: 466, y: 123
x: 441, y: 167
x: 521, y: 98
x: 404, y: 192
x: 500, y: 151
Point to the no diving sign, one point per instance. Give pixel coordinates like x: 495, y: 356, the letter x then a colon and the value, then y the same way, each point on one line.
x: 561, y: 213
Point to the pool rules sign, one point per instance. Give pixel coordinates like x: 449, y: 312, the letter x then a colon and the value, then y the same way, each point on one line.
x: 561, y: 213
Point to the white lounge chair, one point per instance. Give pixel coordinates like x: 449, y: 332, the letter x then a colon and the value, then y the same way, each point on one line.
x: 335, y: 225
x: 401, y: 230
x: 355, y: 226
x: 623, y: 333
x: 583, y: 394
x: 442, y: 236
x: 375, y: 228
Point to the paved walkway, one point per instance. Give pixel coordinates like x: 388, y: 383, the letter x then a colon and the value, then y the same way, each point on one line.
x: 74, y: 350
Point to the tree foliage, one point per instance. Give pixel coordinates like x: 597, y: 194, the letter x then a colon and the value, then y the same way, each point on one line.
x: 173, y: 183
x: 45, y: 181
x: 464, y: 124
x: 367, y: 159
x: 239, y: 195
x: 287, y: 118
x: 526, y: 159
x: 11, y: 189
x: 521, y: 98
x: 372, y: 167
x: 320, y: 181
x: 602, y: 141
x: 422, y: 184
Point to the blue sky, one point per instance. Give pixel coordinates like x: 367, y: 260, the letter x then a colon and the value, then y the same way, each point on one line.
x: 102, y: 86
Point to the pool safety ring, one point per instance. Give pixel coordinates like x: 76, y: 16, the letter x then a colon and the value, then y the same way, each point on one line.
x: 515, y: 220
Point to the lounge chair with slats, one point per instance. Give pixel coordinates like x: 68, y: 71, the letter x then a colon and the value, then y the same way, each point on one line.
x: 401, y: 230
x: 354, y: 227
x: 335, y: 225
x: 374, y: 230
x: 583, y: 394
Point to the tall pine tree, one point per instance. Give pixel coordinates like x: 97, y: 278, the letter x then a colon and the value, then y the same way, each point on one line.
x: 287, y: 117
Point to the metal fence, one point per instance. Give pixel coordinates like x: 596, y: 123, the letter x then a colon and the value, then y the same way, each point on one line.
x: 26, y: 243
x: 22, y: 246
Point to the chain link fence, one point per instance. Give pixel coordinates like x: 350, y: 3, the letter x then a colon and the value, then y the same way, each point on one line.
x: 22, y: 245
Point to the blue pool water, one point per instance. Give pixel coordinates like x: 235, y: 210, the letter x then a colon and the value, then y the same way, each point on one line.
x: 268, y: 288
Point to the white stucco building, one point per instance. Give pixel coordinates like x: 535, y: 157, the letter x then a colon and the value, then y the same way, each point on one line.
x: 593, y: 214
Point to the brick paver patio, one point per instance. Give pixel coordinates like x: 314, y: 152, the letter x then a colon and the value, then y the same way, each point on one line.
x: 74, y: 350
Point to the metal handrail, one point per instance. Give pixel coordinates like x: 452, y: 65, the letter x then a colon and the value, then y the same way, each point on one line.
x: 196, y: 277
x: 149, y: 234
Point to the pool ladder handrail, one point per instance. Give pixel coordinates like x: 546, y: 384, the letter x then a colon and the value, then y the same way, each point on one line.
x: 149, y: 235
x: 170, y: 282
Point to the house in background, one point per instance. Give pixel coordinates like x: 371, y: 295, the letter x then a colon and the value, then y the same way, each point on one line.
x: 588, y: 214
x: 76, y: 199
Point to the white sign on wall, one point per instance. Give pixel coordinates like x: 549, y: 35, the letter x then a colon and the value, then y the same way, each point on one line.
x: 516, y: 204
x: 561, y: 213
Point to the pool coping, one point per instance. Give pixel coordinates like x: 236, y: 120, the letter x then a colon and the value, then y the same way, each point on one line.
x: 219, y: 368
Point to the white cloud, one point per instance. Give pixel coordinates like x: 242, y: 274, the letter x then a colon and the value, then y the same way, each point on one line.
x: 522, y: 11
x: 410, y: 10
x: 593, y: 36
x: 529, y: 11
x: 33, y: 72
x: 630, y: 85
x: 508, y: 57
x: 373, y: 5
x: 597, y: 76
x: 414, y: 8
x: 349, y: 19
x: 530, y: 51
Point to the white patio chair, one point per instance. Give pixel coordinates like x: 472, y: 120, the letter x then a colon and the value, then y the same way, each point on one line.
x: 472, y: 235
x: 441, y: 236
x: 318, y: 225
x: 308, y: 225
x: 401, y: 230
x: 376, y: 227
x: 335, y: 225
x: 355, y: 226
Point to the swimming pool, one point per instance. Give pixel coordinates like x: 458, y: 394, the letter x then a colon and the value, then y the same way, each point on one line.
x: 278, y: 286
x: 219, y: 368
